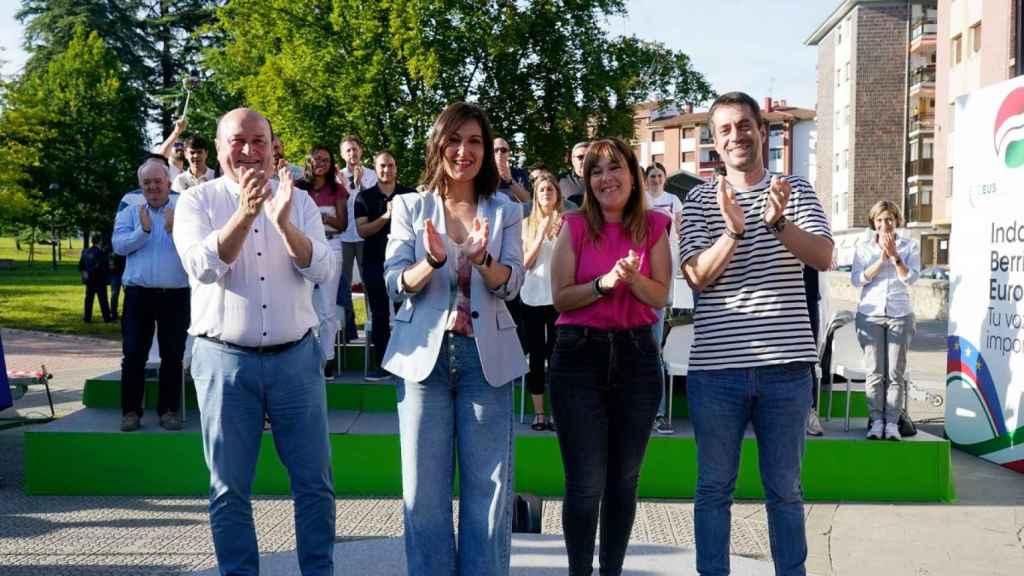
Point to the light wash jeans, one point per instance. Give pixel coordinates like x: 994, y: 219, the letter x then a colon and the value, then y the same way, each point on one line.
x: 776, y: 400
x: 234, y: 388
x: 885, y: 394
x: 456, y: 415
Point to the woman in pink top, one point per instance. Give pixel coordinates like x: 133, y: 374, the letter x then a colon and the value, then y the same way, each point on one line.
x: 610, y: 271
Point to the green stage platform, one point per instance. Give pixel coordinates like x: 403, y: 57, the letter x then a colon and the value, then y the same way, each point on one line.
x: 349, y: 392
x: 84, y: 454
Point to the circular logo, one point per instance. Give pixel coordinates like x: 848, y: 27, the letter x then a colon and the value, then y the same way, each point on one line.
x: 1009, y: 129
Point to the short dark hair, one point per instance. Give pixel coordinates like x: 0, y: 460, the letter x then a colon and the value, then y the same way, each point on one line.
x: 654, y: 166
x: 197, y: 142
x: 385, y: 151
x: 734, y: 99
x: 538, y: 166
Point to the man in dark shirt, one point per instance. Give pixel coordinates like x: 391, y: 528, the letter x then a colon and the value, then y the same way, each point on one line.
x: 571, y: 185
x: 373, y: 222
x: 94, y: 267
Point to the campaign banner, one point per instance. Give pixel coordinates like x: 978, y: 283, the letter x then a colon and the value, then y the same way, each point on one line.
x: 985, y: 356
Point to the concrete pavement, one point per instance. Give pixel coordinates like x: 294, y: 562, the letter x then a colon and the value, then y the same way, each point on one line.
x: 980, y: 534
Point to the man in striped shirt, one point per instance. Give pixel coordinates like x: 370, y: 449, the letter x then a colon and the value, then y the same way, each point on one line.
x: 745, y: 240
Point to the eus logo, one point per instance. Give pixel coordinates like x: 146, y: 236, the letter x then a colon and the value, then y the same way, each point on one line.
x: 1009, y: 129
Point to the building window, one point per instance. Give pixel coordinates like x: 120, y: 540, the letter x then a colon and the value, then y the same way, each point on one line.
x: 659, y: 158
x: 927, y: 149
x: 775, y: 154
x: 956, y: 47
x: 689, y: 156
x: 776, y: 130
x: 975, y: 37
x: 688, y: 133
x: 913, y: 151
x: 658, y: 136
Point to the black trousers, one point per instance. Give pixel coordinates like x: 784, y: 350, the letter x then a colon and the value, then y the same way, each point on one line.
x: 97, y: 290
x: 605, y: 390
x: 380, y: 306
x: 166, y: 310
x: 540, y: 341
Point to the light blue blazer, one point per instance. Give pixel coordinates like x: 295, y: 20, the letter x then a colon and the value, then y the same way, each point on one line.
x: 420, y: 322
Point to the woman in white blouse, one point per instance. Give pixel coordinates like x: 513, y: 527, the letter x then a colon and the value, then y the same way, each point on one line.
x: 884, y: 269
x: 539, y: 314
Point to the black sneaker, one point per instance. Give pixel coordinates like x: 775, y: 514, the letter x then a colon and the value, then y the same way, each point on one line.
x: 378, y: 375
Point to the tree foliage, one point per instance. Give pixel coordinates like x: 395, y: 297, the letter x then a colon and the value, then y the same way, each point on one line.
x: 546, y: 71
x: 70, y: 136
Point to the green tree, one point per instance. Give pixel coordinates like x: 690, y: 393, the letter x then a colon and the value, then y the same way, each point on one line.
x: 72, y: 136
x: 544, y: 69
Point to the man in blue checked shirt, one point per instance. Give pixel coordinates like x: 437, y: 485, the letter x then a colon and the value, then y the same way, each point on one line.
x: 156, y: 293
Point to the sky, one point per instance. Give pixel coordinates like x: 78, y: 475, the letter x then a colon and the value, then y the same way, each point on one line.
x: 749, y: 45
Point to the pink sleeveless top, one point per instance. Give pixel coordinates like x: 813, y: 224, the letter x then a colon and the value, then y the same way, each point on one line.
x: 620, y: 309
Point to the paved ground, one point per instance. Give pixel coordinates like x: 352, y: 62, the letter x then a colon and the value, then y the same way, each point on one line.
x: 981, y: 534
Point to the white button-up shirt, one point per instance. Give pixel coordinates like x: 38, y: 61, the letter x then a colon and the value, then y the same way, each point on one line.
x: 350, y: 234
x: 262, y: 298
x: 886, y: 294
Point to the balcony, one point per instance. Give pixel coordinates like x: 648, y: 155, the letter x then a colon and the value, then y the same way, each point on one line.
x: 922, y: 79
x: 922, y: 36
x: 710, y: 164
x: 918, y: 211
x: 920, y: 168
x: 922, y: 123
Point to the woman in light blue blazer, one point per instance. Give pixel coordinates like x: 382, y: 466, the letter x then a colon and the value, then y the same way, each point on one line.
x: 453, y: 257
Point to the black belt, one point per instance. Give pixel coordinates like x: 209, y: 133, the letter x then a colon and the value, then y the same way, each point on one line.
x: 160, y: 290
x: 264, y: 350
x: 609, y: 335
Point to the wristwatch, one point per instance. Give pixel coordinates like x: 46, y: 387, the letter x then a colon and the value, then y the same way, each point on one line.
x: 778, y: 226
x: 735, y: 235
x: 487, y: 260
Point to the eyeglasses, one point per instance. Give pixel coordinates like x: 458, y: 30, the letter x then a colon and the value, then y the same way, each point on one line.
x: 501, y: 150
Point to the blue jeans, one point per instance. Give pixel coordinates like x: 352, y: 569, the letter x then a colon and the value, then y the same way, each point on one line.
x: 776, y: 400
x: 235, y: 388
x: 605, y: 388
x: 455, y: 413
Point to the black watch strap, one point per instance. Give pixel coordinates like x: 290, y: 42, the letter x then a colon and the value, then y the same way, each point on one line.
x: 735, y: 235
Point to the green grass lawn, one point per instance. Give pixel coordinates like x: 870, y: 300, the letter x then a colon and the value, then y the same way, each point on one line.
x: 35, y: 297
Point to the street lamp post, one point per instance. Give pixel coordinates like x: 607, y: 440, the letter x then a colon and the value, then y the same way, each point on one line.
x: 53, y: 228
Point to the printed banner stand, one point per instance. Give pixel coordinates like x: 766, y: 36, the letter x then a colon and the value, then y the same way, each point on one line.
x: 985, y: 357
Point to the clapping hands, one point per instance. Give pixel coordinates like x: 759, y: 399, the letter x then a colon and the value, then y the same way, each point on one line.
x: 625, y: 271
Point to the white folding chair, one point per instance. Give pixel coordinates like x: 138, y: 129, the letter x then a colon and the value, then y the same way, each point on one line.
x: 676, y: 355
x: 847, y: 361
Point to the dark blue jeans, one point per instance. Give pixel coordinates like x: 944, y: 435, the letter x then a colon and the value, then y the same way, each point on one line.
x: 605, y: 388
x: 722, y: 403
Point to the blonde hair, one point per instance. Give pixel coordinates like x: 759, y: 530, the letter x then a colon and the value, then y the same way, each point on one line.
x: 634, y: 214
x: 884, y: 206
x: 536, y: 212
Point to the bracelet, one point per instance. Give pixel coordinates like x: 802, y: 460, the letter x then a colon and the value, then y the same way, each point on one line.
x: 735, y: 235
x: 486, y: 262
x: 777, y: 226
x: 596, y: 287
x: 435, y: 264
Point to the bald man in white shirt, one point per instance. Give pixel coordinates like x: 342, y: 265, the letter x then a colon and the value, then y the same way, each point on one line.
x: 253, y: 248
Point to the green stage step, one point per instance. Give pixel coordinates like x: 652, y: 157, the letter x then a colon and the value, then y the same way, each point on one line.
x: 84, y: 454
x: 348, y: 391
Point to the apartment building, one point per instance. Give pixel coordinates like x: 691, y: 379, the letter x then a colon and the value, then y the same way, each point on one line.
x: 681, y: 140
x: 976, y: 46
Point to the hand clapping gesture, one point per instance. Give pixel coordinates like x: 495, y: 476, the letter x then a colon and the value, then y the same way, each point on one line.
x: 279, y: 208
x: 433, y: 243
x: 778, y: 198
x: 887, y: 241
x: 144, y: 220
x: 732, y: 212
x: 475, y: 245
x: 625, y: 271
x: 253, y: 192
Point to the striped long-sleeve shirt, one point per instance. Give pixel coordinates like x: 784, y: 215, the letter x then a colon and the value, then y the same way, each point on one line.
x: 755, y: 313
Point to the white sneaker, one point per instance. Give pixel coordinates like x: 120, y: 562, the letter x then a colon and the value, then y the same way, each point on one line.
x: 875, y: 430
x: 814, y: 424
x: 892, y: 432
